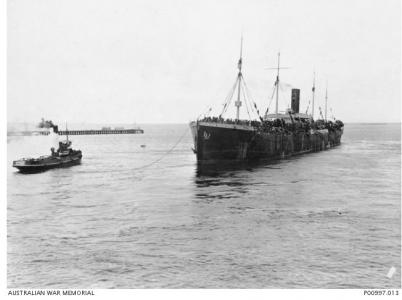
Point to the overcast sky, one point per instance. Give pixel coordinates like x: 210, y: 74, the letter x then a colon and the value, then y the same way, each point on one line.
x: 124, y: 61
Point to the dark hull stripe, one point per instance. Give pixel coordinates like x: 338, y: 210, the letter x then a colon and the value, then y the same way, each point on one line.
x: 216, y: 143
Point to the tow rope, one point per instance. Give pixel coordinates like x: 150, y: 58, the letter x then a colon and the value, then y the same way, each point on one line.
x: 165, y: 154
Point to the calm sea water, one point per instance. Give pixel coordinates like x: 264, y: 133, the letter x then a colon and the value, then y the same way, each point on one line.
x: 324, y: 220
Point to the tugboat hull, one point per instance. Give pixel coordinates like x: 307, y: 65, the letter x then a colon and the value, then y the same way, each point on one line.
x: 41, y: 165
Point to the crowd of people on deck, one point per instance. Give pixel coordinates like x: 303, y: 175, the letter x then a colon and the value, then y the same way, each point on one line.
x: 280, y: 125
x: 230, y: 121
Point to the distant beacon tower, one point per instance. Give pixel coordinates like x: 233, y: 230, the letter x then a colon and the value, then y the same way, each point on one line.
x: 295, y: 100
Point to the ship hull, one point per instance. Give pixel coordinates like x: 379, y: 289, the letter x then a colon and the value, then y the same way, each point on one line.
x: 217, y: 142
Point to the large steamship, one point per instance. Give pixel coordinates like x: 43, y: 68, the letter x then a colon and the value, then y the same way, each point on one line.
x: 269, y: 137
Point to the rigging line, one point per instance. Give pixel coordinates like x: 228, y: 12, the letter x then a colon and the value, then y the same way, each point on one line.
x: 229, y: 97
x: 165, y: 154
x: 255, y: 109
x: 230, y: 91
x: 245, y: 102
x: 249, y: 101
x: 273, y: 91
x: 272, y: 98
x: 247, y: 89
x: 308, y: 106
x: 249, y: 105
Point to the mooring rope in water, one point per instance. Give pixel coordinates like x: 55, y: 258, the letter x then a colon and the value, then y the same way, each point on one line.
x: 165, y: 154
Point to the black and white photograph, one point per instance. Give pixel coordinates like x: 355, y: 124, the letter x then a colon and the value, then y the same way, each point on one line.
x: 202, y: 145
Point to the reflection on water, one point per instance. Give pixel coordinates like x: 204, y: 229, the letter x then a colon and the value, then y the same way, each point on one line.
x: 225, y: 180
x: 222, y: 180
x: 222, y: 168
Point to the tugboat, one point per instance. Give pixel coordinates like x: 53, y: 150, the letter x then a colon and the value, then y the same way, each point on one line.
x: 65, y: 156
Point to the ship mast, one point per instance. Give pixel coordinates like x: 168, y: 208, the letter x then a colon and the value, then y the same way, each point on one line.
x: 326, y: 101
x: 239, y: 65
x: 313, y: 89
x: 277, y: 85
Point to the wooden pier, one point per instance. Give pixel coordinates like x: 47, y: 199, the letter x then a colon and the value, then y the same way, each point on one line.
x: 77, y: 132
x: 93, y: 131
